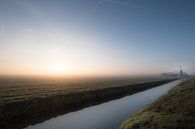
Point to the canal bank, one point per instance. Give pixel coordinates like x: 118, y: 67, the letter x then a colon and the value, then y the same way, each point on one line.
x: 175, y: 110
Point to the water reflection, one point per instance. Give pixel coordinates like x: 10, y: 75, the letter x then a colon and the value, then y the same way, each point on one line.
x: 108, y: 115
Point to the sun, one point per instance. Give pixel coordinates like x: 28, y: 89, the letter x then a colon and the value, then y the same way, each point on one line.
x: 58, y: 68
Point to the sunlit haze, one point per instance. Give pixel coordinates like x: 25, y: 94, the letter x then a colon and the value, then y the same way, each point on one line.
x: 96, y: 37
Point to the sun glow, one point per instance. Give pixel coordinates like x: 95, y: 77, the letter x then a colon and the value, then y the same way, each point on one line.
x: 58, y: 69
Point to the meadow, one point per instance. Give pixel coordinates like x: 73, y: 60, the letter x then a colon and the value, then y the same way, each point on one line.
x: 14, y: 89
x: 26, y: 101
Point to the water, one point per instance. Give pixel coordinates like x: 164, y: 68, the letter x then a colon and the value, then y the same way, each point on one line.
x: 108, y: 115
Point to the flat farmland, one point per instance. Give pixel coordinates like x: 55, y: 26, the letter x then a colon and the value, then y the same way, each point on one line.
x: 19, y: 89
x: 27, y: 101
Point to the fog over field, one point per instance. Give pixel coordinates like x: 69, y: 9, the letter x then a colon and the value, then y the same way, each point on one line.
x: 14, y: 89
x: 60, y: 56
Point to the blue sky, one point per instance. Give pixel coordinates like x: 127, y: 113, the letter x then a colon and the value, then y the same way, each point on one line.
x: 97, y: 36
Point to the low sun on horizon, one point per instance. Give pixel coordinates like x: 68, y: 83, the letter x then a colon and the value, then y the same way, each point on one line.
x: 90, y: 38
x: 92, y: 64
x: 58, y: 69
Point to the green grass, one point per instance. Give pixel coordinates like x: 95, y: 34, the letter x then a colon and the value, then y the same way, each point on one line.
x: 20, y: 89
x: 25, y: 102
x: 175, y: 110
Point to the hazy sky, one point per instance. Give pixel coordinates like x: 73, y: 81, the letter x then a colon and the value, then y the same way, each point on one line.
x: 84, y: 37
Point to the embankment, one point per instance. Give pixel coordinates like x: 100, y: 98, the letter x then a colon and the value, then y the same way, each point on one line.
x: 21, y: 114
x: 175, y: 110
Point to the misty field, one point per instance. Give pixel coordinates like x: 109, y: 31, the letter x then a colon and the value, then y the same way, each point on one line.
x: 19, y: 89
x: 26, y: 101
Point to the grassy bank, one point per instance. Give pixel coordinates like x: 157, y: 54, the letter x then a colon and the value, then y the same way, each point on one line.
x: 19, y: 114
x: 175, y: 110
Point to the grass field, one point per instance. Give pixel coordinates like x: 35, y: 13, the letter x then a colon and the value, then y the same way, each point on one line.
x: 175, y: 110
x: 20, y: 89
x: 25, y: 101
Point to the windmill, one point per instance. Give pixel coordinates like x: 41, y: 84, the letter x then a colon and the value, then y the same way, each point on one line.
x: 178, y: 73
x: 182, y: 74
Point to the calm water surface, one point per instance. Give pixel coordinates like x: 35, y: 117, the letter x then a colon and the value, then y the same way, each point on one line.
x: 107, y: 115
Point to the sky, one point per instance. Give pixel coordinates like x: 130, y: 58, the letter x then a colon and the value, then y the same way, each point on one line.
x: 96, y: 37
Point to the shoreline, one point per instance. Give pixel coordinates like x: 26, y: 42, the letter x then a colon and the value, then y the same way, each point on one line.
x: 19, y: 115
